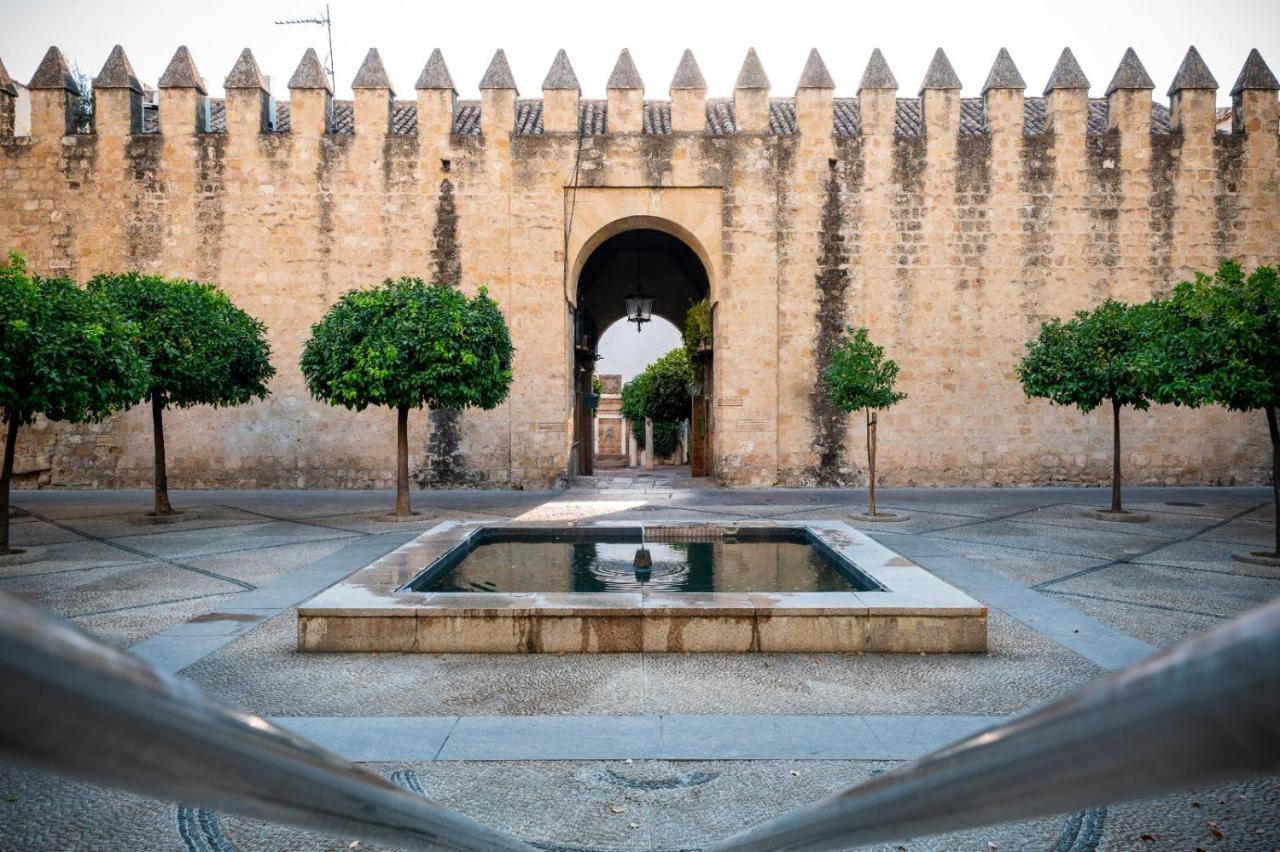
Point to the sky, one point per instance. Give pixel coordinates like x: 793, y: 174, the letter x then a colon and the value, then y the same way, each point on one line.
x: 624, y: 352
x: 656, y: 32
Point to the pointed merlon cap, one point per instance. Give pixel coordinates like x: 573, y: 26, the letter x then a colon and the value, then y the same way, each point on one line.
x: 245, y: 74
x: 688, y: 75
x: 940, y: 76
x: 181, y: 73
x: 310, y: 74
x: 435, y: 74
x: 1004, y: 74
x: 1131, y: 74
x: 625, y: 74
x: 117, y: 73
x: 877, y: 76
x: 752, y: 75
x: 815, y: 74
x: 1255, y: 75
x: 1193, y: 74
x: 498, y: 75
x: 53, y: 73
x: 1067, y: 74
x: 560, y: 76
x: 372, y: 73
x: 6, y: 82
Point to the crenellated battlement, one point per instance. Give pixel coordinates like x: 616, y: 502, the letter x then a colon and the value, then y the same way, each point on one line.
x: 951, y: 225
x: 1131, y: 81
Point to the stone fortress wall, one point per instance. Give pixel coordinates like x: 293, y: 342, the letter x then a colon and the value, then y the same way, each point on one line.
x: 951, y: 226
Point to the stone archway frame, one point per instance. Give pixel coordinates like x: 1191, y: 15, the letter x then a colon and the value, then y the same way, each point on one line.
x: 690, y: 214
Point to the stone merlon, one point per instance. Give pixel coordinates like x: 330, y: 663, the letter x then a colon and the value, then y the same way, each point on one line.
x: 181, y: 73
x: 1255, y: 75
x: 751, y: 75
x: 498, y: 75
x: 117, y: 72
x: 1004, y: 74
x: 560, y: 76
x: 1131, y: 74
x: 1067, y: 74
x: 54, y: 73
x: 372, y: 73
x: 310, y: 73
x: 877, y: 76
x: 688, y: 76
x: 435, y: 74
x: 625, y: 74
x: 245, y: 73
x: 815, y: 74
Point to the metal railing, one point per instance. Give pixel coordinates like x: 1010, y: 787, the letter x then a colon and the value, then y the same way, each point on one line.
x: 1203, y: 712
x: 75, y: 706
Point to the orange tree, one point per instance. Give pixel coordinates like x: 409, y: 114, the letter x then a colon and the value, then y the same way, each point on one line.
x: 1106, y: 355
x: 860, y: 377
x: 1220, y: 344
x: 65, y: 353
x: 200, y: 349
x: 405, y: 345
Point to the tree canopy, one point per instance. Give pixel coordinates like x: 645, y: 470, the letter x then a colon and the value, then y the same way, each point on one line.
x: 860, y: 376
x: 1222, y: 340
x: 65, y: 352
x: 407, y: 344
x: 666, y: 387
x: 1109, y: 353
x: 199, y: 347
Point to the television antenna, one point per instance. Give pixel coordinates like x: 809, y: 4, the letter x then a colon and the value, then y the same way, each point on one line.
x: 327, y: 23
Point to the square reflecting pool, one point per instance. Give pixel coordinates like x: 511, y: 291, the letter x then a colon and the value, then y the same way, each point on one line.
x: 604, y: 560
x: 602, y: 587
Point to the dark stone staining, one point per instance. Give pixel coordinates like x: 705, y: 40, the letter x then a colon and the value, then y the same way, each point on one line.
x: 78, y: 163
x: 445, y: 463
x: 1166, y: 150
x: 907, y: 214
x: 1228, y: 161
x: 1036, y: 186
x: 444, y: 251
x: 1104, y: 197
x: 210, y: 165
x: 973, y: 190
x: 655, y: 153
x: 333, y: 150
x: 832, y: 279
x: 144, y: 229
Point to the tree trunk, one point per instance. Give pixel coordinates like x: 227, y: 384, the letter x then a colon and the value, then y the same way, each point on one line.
x: 871, y: 462
x: 1275, y: 471
x: 402, y: 461
x: 1115, y: 457
x: 157, y: 438
x: 10, y: 442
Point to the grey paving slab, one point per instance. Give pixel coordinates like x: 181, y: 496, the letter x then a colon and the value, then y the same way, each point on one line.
x: 261, y: 567
x: 1159, y: 627
x: 211, y: 542
x: 1102, y: 645
x: 376, y: 738
x: 1102, y: 543
x: 188, y: 642
x: 1254, y: 534
x: 1020, y: 566
x: 1212, y: 593
x: 127, y: 627
x: 1207, y: 556
x: 30, y: 532
x: 1161, y: 524
x: 549, y: 737
x: 138, y: 523
x: 115, y: 587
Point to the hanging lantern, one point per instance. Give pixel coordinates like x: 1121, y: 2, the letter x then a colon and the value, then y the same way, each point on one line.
x: 639, y: 309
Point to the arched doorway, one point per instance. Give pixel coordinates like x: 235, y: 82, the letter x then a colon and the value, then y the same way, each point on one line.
x: 637, y: 261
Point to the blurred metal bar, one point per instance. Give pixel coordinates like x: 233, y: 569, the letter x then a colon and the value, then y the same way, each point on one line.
x: 1203, y: 712
x: 75, y: 706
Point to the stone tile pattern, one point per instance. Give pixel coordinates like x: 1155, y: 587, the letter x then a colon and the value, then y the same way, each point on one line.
x: 959, y: 234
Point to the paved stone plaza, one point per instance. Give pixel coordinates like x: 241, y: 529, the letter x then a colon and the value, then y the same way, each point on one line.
x: 637, y: 751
